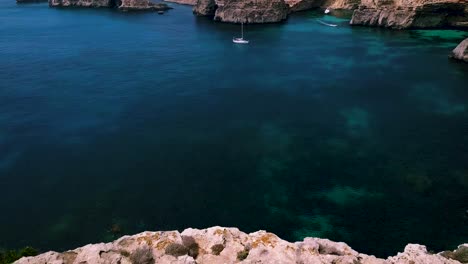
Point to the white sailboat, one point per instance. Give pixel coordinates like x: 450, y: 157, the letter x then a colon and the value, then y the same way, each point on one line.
x: 241, y: 40
x: 327, y: 11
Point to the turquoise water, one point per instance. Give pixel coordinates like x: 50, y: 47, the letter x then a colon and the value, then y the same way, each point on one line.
x: 158, y: 122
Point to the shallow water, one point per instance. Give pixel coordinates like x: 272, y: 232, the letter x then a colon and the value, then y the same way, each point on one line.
x: 158, y: 122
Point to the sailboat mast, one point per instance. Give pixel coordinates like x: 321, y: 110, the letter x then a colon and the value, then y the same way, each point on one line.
x: 242, y: 29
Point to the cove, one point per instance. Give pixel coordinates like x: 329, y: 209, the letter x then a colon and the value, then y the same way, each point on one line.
x: 160, y: 122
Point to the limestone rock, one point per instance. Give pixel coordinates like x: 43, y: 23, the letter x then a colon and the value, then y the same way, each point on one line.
x: 341, y: 4
x: 123, y: 5
x: 251, y: 11
x: 183, y: 2
x: 461, y: 51
x: 301, y: 5
x: 80, y: 3
x: 205, y: 8
x: 141, y: 5
x: 233, y: 246
x: 417, y: 254
x: 402, y: 14
x: 29, y: 1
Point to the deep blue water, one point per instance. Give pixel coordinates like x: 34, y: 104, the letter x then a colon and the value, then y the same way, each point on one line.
x: 158, y: 122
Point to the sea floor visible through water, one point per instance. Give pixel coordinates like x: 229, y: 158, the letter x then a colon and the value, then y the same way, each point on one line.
x: 115, y: 123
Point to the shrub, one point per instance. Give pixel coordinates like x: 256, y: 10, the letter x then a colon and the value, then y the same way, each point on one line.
x: 241, y: 255
x: 176, y: 250
x: 192, y: 246
x: 142, y: 255
x: 9, y: 256
x: 217, y: 249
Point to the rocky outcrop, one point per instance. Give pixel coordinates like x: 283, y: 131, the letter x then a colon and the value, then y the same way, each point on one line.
x: 342, y: 4
x: 205, y: 8
x: 183, y: 2
x: 461, y: 51
x: 123, y: 5
x: 81, y: 3
x: 229, y: 245
x: 301, y: 5
x: 243, y: 11
x: 30, y: 1
x: 141, y: 5
x: 401, y: 14
x: 249, y: 11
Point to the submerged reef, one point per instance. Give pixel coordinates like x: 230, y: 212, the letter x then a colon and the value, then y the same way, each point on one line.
x: 230, y: 245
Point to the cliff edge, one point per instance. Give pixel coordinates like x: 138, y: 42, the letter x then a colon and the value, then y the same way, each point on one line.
x: 229, y: 245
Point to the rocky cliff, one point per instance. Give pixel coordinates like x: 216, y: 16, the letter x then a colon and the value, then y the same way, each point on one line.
x: 183, y: 2
x: 401, y: 14
x: 243, y: 11
x: 123, y: 5
x: 205, y: 8
x: 229, y: 245
x: 251, y: 11
x: 461, y: 51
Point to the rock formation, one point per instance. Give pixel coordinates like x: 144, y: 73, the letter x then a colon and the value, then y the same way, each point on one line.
x: 80, y: 3
x: 229, y: 245
x: 251, y: 11
x: 183, y: 2
x: 342, y: 4
x: 30, y: 1
x: 245, y: 11
x: 461, y: 51
x: 301, y: 5
x: 123, y: 5
x: 141, y: 5
x: 205, y: 8
x: 401, y: 14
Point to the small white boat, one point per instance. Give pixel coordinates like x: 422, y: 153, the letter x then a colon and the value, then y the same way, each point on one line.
x: 240, y: 40
x: 327, y: 11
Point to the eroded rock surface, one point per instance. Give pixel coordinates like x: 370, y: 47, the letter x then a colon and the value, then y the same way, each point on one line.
x: 243, y: 11
x: 301, y: 5
x: 461, y: 53
x: 123, y: 5
x: 228, y: 245
x: 401, y: 14
x: 251, y: 11
x: 205, y: 8
x: 183, y: 2
x: 141, y: 5
x: 80, y: 3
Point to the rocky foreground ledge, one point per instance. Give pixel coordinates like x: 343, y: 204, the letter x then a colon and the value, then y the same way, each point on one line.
x: 229, y: 245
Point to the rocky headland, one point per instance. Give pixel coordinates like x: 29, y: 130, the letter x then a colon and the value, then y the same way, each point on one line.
x: 461, y: 51
x: 229, y: 245
x: 402, y: 14
x: 123, y: 5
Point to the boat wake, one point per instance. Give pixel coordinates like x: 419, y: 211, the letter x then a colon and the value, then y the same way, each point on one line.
x: 326, y: 24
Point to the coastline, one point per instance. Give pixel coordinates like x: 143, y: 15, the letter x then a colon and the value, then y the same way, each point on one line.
x: 230, y: 245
